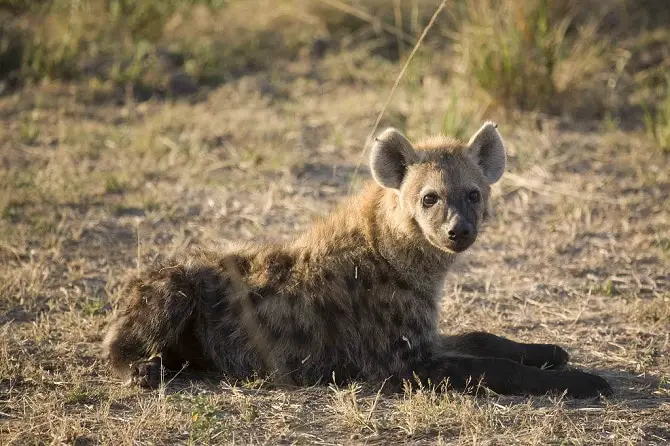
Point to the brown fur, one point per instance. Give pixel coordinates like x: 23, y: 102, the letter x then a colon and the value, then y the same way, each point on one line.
x: 355, y: 297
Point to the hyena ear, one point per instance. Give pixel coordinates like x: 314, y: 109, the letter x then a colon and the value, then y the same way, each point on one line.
x: 488, y: 150
x: 391, y: 154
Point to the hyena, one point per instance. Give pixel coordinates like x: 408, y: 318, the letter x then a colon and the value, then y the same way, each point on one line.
x: 356, y: 297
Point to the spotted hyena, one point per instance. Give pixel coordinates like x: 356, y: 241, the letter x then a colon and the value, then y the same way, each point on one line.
x: 356, y: 297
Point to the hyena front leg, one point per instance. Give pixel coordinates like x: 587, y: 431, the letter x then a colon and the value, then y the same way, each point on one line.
x: 488, y: 345
x: 504, y: 376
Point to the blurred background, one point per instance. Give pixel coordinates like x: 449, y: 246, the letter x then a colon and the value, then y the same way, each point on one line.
x: 587, y: 59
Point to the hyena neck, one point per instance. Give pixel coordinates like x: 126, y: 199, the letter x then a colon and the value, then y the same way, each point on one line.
x: 397, y: 237
x: 372, y: 227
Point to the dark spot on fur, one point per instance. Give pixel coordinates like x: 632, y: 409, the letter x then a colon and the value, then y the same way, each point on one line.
x: 189, y: 350
x: 330, y: 326
x: 301, y: 336
x: 271, y: 332
x: 371, y: 345
x: 383, y: 277
x: 265, y: 292
x: 366, y: 279
x: 280, y: 264
x: 207, y: 285
x: 402, y: 284
x: 292, y: 299
x: 422, y: 295
x: 234, y: 309
x: 352, y: 283
x: 255, y: 298
x: 412, y: 325
x: 356, y: 313
x: 329, y: 310
x: 364, y: 300
x: 321, y: 309
x: 274, y: 332
x: 145, y: 292
x: 330, y: 316
x: 383, y: 306
x: 423, y: 347
x: 243, y: 265
x: 398, y: 318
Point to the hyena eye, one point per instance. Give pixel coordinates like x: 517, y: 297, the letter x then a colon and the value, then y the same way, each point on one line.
x: 474, y: 196
x: 429, y: 200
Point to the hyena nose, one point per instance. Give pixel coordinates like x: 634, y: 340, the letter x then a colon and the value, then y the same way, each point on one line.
x: 460, y: 230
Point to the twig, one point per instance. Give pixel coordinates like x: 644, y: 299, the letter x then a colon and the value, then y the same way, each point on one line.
x: 374, y: 21
x: 374, y: 404
x: 139, y: 249
x: 393, y: 89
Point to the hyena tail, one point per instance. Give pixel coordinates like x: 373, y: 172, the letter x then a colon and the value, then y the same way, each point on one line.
x: 157, y: 318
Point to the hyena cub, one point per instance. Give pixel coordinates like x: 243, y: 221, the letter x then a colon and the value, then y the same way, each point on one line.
x: 356, y: 297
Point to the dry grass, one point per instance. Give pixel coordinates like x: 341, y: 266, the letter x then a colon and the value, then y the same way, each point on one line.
x: 658, y: 121
x: 91, y: 186
x: 528, y: 54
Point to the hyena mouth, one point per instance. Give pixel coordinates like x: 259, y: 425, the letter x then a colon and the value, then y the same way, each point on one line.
x: 450, y: 246
x: 461, y: 245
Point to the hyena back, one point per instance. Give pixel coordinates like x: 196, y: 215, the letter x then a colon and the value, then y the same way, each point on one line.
x: 356, y: 297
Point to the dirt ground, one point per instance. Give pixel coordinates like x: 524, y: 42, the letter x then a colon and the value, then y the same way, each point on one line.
x: 91, y: 189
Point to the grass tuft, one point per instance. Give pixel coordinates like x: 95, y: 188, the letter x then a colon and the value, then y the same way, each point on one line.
x: 523, y: 53
x: 657, y: 123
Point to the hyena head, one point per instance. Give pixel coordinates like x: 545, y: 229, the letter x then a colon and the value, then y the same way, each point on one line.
x: 442, y: 185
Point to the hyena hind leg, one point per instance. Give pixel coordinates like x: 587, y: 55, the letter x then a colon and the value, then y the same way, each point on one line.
x: 153, y: 330
x: 132, y: 358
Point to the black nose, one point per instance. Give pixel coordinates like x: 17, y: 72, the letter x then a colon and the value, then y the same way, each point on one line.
x: 460, y: 230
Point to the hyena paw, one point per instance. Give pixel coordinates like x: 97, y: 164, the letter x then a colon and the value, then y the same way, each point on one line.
x: 586, y: 385
x: 147, y: 373
x: 558, y: 356
x: 546, y: 356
